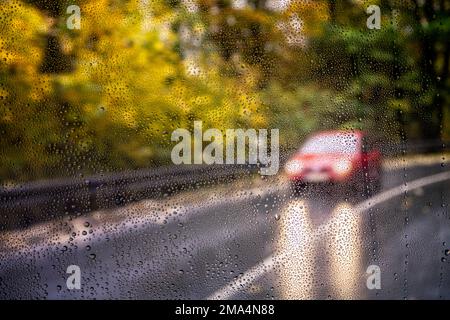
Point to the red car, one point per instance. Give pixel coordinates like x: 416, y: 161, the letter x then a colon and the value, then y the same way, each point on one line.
x: 336, y: 157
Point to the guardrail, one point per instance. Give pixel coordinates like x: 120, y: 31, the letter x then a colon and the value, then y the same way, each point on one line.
x: 414, y: 147
x: 34, y: 202
x: 39, y: 201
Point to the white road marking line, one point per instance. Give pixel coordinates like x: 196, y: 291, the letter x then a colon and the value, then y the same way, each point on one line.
x: 396, y: 191
x: 268, y: 264
x: 155, y: 217
x: 243, y: 281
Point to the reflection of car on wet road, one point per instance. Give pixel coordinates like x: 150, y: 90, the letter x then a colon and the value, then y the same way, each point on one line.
x: 336, y: 157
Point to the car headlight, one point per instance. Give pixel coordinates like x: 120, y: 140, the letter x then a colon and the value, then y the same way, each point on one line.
x: 342, y: 167
x: 293, y: 166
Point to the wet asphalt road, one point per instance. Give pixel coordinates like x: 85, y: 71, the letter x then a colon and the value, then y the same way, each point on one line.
x: 322, y: 247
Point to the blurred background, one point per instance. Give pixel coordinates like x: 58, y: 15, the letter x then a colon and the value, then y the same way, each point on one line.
x: 107, y: 96
x: 86, y: 179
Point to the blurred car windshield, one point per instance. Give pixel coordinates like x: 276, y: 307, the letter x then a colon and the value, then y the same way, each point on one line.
x: 330, y: 143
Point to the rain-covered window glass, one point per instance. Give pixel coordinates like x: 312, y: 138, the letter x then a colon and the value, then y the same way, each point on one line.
x: 224, y: 149
x: 331, y: 143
